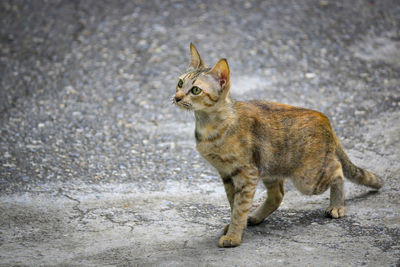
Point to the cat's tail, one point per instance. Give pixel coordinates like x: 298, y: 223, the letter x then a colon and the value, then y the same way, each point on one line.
x: 356, y: 174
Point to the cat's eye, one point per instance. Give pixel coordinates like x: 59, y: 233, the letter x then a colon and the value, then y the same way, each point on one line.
x: 180, y: 83
x: 196, y: 90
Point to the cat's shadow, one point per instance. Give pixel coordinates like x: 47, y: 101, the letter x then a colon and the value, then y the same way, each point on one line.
x: 284, y: 220
x: 363, y: 196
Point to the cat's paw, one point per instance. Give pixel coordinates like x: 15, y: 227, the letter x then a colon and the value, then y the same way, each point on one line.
x: 253, y: 221
x: 229, y: 241
x: 226, y: 228
x: 335, y: 212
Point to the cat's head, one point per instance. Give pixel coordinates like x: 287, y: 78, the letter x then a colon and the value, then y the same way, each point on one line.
x: 202, y: 88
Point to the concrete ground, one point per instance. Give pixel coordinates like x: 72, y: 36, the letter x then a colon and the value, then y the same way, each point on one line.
x: 98, y: 168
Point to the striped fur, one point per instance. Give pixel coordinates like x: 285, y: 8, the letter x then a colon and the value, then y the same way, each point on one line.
x: 249, y: 141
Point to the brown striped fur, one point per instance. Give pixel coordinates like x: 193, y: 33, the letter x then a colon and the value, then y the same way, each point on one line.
x: 249, y: 141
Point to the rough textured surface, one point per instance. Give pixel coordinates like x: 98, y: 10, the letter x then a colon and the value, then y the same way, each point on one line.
x: 98, y: 168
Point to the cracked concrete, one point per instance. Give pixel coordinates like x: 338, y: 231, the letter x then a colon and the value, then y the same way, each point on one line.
x: 114, y: 228
x: 97, y: 168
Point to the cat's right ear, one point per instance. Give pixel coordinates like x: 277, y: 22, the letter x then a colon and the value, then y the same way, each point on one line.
x: 195, y: 59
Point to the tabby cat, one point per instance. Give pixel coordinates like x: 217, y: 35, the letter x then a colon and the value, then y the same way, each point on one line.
x: 248, y: 141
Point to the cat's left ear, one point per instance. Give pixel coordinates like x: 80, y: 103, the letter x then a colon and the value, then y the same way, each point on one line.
x: 221, y: 72
x: 195, y: 59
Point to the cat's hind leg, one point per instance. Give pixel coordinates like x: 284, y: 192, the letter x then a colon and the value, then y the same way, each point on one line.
x: 336, y: 208
x: 275, y: 192
x: 332, y: 176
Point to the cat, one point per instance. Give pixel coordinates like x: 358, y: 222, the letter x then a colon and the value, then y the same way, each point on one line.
x: 249, y: 141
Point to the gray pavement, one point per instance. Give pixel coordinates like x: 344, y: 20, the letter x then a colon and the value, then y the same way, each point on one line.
x: 97, y: 168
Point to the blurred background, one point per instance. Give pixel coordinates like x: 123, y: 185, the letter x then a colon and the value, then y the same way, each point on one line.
x: 86, y: 86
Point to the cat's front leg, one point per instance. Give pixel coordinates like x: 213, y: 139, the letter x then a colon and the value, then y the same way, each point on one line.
x: 229, y: 189
x: 230, y: 194
x: 244, y: 184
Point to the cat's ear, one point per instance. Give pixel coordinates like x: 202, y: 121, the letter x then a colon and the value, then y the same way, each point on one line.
x: 221, y: 72
x: 195, y: 59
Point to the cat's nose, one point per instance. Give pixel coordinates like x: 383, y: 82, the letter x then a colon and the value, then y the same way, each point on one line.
x: 177, y: 99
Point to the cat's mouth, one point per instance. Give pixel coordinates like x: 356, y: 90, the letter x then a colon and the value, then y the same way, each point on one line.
x: 184, y: 105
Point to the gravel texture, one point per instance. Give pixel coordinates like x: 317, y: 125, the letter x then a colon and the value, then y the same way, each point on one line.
x: 98, y: 168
